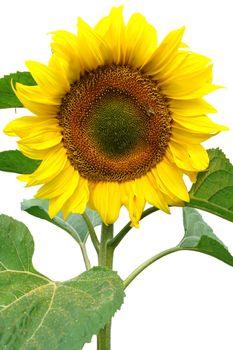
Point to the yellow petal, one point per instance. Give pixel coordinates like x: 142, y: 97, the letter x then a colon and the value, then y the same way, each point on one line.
x: 24, y: 178
x: 66, y: 55
x: 102, y: 27
x: 68, y: 73
x: 172, y: 179
x: 188, y: 108
x: 201, y: 124
x: 33, y: 99
x: 135, y: 207
x: 25, y: 126
x: 192, y: 175
x: 65, y: 45
x: 186, y: 90
x: 77, y: 203
x: 35, y: 153
x: 173, y: 201
x: 56, y: 187
x: 112, y: 29
x: 172, y: 65
x: 165, y: 53
x: 199, y: 157
x: 37, y: 94
x: 183, y: 135
x: 180, y: 156
x: 147, y: 188
x: 95, y: 51
x: 126, y: 189
x: 106, y: 200
x: 189, y: 157
x: 192, y: 66
x: 50, y: 167
x: 52, y: 83
x: 141, y: 41
x: 134, y: 204
x: 187, y: 84
x: 42, y: 139
x: 56, y: 204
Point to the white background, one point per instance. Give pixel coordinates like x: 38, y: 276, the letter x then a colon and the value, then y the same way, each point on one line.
x: 185, y: 301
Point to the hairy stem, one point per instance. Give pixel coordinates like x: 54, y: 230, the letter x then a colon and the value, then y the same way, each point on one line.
x: 105, y: 250
x: 147, y: 263
x: 92, y: 232
x: 105, y: 260
x: 85, y: 256
x: 118, y: 238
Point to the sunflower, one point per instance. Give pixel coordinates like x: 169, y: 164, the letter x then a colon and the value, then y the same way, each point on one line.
x: 119, y: 119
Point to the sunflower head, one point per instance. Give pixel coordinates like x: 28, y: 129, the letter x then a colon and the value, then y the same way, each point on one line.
x: 118, y: 118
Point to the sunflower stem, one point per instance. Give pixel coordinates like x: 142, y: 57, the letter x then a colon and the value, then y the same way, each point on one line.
x: 85, y: 256
x: 147, y: 263
x: 114, y: 242
x: 106, y: 260
x: 92, y: 233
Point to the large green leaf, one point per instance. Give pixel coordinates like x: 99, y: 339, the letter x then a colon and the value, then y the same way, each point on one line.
x: 37, y: 313
x: 201, y: 238
x: 75, y: 224
x: 213, y: 190
x: 8, y: 99
x: 16, y: 162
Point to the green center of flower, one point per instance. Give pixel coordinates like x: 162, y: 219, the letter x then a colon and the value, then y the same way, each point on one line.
x: 116, y: 124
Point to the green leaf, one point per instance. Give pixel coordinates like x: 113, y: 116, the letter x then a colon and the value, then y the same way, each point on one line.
x: 75, y: 224
x: 8, y: 99
x: 37, y: 313
x: 16, y: 162
x: 213, y: 190
x: 200, y: 237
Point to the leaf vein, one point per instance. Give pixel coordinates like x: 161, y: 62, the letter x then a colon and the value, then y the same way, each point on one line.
x: 219, y: 191
x: 45, y: 315
x: 16, y: 250
x: 4, y: 266
x: 27, y: 273
x: 25, y: 295
x: 205, y: 177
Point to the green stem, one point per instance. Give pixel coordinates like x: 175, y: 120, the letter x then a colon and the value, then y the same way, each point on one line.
x: 147, y: 263
x: 106, y: 251
x: 104, y: 338
x: 118, y: 238
x: 92, y: 232
x: 85, y: 256
x: 105, y: 260
x: 68, y: 228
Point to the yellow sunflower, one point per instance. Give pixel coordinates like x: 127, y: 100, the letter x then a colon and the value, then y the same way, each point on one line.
x: 118, y: 118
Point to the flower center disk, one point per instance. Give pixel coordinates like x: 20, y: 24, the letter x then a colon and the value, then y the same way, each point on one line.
x: 116, y: 124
